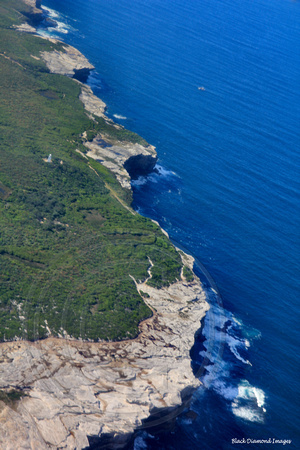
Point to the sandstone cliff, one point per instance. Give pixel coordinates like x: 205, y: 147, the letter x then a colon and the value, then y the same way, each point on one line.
x: 35, y: 14
x: 127, y: 160
x: 70, y: 62
x: 76, y: 390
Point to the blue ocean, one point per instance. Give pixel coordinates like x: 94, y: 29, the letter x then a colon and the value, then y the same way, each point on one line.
x: 214, y: 85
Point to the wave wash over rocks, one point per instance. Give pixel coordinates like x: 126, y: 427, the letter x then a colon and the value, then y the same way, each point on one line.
x: 77, y: 391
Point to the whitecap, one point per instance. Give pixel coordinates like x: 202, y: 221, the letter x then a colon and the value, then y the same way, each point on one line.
x: 260, y: 397
x: 247, y: 413
x: 94, y: 80
x: 249, y: 332
x: 225, y: 389
x: 234, y: 343
x: 161, y: 171
x: 140, y: 441
x: 140, y: 181
x: 60, y: 26
x: 51, y: 12
x: 44, y: 33
x: 118, y: 116
x: 186, y: 421
x: 249, y: 403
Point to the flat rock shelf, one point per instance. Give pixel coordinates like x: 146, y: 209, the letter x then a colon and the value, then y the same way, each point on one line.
x: 76, y: 390
x: 65, y: 393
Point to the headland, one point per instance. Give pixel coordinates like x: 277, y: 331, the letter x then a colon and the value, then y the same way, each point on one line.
x: 67, y: 387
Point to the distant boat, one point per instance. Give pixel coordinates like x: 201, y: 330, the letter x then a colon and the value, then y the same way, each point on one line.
x: 201, y: 88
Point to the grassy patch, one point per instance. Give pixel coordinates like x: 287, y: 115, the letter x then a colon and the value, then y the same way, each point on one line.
x: 67, y: 245
x: 188, y: 274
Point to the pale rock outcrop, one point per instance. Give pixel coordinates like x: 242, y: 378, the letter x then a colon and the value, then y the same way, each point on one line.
x: 35, y: 5
x: 125, y: 160
x: 91, y: 102
x: 70, y: 62
x: 25, y: 27
x: 35, y: 15
x: 78, y: 389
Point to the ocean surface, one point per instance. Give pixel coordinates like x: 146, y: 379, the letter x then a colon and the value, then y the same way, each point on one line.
x: 214, y: 85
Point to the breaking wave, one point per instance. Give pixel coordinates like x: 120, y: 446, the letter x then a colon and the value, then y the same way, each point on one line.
x: 118, y: 116
x: 226, y: 343
x: 249, y: 403
x: 159, y: 174
x: 55, y: 24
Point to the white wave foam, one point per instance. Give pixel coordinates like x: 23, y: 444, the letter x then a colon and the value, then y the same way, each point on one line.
x: 140, y: 443
x: 187, y: 422
x: 249, y: 403
x: 60, y: 26
x: 51, y: 12
x: 225, y: 389
x: 260, y: 397
x: 118, y: 116
x: 139, y: 182
x: 247, y: 413
x: 164, y: 172
x: 233, y: 344
x: 154, y: 177
x: 44, y: 33
x: 251, y: 333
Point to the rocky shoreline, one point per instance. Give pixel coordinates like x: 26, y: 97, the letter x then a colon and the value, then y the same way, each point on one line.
x: 76, y: 391
x: 126, y: 160
x: 81, y: 392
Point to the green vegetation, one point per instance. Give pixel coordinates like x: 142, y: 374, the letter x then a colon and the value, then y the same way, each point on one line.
x: 11, y: 396
x: 188, y: 274
x: 69, y: 241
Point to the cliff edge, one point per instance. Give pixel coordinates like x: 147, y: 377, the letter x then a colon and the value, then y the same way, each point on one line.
x: 67, y: 393
x: 78, y: 391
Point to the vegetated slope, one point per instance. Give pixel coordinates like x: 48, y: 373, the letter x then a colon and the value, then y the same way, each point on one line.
x: 67, y: 244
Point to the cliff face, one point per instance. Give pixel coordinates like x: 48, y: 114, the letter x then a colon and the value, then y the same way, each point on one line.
x: 127, y: 160
x: 78, y: 390
x: 69, y: 62
x: 35, y: 14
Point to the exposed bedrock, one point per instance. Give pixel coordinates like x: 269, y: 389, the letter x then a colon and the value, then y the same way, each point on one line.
x: 96, y: 394
x: 70, y: 62
x: 35, y: 15
x: 125, y: 160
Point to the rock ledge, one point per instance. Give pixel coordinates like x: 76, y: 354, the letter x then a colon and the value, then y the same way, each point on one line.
x: 76, y: 389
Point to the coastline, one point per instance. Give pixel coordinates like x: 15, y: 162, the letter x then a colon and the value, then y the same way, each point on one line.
x: 114, y: 386
x: 79, y: 390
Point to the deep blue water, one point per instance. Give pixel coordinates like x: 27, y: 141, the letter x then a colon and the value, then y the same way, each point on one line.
x: 227, y: 188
